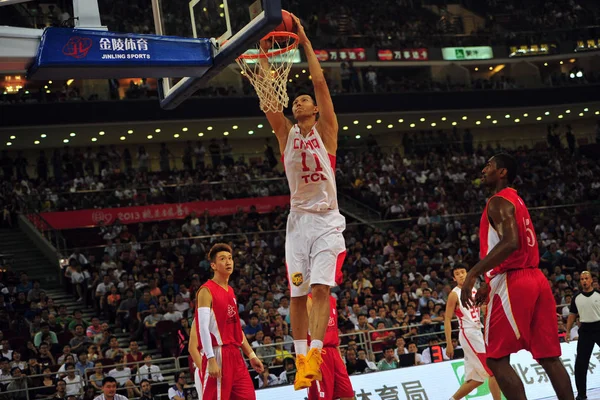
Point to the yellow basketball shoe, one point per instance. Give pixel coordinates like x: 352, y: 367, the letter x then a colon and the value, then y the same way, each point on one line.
x: 313, y: 365
x: 301, y: 382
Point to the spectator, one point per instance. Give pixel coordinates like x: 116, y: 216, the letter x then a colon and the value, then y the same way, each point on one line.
x: 74, y: 381
x: 389, y: 361
x: 134, y: 356
x: 18, y: 386
x: 353, y: 364
x: 266, y: 379
x: 94, y: 331
x: 176, y: 391
x: 150, y: 323
x: 45, y: 330
x: 251, y: 329
x: 98, y: 376
x: 61, y: 390
x: 109, y: 390
x: 79, y: 341
x: 46, y: 385
x: 66, y: 352
x: 122, y: 375
x: 266, y: 352
x: 412, y: 349
x: 171, y: 314
x: 289, y: 372
x: 83, y: 365
x: 114, y: 349
x: 146, y: 390
x: 149, y: 372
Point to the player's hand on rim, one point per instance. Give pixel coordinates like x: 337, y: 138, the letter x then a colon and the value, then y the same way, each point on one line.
x: 213, y: 368
x: 302, y: 38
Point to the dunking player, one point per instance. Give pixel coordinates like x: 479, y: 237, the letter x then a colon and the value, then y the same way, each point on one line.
x: 521, y: 312
x: 336, y: 382
x: 217, y: 336
x: 471, y: 340
x: 314, y: 245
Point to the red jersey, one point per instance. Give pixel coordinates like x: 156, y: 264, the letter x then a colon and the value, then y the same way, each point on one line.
x: 332, y: 338
x: 527, y: 255
x: 224, y: 326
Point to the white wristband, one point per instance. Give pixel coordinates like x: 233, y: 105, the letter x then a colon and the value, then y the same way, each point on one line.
x: 252, y: 355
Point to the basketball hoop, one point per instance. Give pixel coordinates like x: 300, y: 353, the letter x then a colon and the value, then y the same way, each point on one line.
x: 268, y: 69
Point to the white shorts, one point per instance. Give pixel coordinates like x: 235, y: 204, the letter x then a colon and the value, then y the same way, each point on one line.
x: 475, y: 358
x: 314, y: 249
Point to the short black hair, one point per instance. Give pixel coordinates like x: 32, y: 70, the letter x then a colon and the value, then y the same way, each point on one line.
x: 304, y: 93
x: 217, y: 248
x: 457, y: 267
x: 504, y: 160
x: 108, y: 379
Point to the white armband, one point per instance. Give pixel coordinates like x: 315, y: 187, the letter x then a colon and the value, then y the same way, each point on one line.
x: 203, y: 327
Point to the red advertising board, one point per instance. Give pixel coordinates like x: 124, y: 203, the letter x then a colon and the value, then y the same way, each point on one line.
x: 402, y: 55
x: 356, y: 54
x: 160, y: 212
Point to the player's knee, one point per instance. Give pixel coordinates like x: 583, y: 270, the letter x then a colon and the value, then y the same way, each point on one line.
x: 494, y: 363
x: 548, y: 361
x: 320, y: 290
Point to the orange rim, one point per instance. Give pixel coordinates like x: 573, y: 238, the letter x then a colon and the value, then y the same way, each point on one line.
x: 273, y: 53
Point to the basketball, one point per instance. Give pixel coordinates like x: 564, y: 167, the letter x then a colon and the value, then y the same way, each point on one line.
x: 287, y: 23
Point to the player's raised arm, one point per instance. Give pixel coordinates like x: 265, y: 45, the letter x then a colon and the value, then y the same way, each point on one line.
x: 280, y: 124
x: 327, y: 124
x: 450, y: 306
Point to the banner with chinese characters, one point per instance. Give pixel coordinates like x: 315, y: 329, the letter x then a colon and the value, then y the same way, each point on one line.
x: 439, y: 381
x: 357, y: 54
x: 467, y: 53
x: 402, y: 55
x: 161, y: 212
x: 66, y: 53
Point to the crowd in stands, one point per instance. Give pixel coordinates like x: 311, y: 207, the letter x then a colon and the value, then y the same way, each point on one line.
x: 430, y: 187
x: 353, y: 23
x: 142, y: 279
x: 105, y: 177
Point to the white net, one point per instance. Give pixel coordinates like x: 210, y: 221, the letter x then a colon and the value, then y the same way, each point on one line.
x: 268, y: 70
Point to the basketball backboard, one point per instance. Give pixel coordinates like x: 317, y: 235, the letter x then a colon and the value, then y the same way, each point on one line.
x: 234, y: 25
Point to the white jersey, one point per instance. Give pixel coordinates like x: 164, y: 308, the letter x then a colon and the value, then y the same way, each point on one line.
x: 468, y: 319
x: 310, y: 171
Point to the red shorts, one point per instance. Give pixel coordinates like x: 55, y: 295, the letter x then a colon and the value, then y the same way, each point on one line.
x: 336, y: 383
x: 235, y: 381
x: 521, y: 315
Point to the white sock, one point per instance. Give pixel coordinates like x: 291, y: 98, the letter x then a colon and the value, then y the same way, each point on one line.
x: 451, y: 398
x: 316, y: 344
x: 301, y: 346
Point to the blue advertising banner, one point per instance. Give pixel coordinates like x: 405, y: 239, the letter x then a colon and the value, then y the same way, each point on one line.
x: 66, y: 53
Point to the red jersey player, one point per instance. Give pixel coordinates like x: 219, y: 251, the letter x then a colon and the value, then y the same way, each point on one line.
x: 217, y: 336
x: 336, y: 382
x: 521, y: 312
